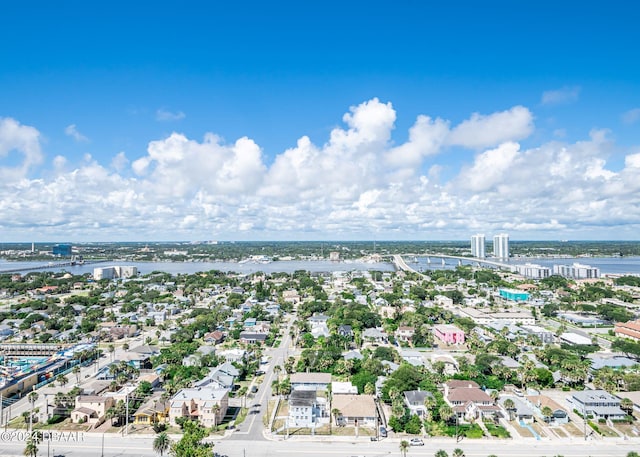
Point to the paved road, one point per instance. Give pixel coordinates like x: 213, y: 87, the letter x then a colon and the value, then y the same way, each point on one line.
x: 253, y: 428
x: 116, y: 446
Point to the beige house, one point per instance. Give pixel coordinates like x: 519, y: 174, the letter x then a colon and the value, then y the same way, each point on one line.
x: 206, y: 405
x: 91, y: 409
x: 355, y: 409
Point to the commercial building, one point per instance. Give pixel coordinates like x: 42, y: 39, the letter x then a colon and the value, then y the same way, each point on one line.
x: 477, y: 246
x: 513, y: 295
x: 576, y: 271
x: 63, y: 250
x: 501, y: 246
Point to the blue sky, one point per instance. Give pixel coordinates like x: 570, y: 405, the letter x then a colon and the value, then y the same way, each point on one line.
x: 195, y: 121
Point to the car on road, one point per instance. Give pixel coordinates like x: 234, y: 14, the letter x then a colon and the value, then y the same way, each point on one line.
x: 383, y: 432
x: 254, y: 389
x: 260, y: 372
x: 416, y: 442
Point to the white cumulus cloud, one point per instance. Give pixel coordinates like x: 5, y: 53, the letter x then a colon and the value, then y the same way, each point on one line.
x: 357, y: 183
x: 23, y: 139
x: 481, y: 131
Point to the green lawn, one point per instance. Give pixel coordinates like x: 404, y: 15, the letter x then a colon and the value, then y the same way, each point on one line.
x: 498, y: 431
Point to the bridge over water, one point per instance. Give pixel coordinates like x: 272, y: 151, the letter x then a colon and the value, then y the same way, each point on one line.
x: 51, y: 265
x: 400, y: 263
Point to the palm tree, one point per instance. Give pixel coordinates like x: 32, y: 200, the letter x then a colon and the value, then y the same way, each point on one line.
x: 457, y: 452
x: 62, y: 380
x: 242, y: 392
x: 547, y: 412
x: 336, y: 414
x: 446, y: 412
x: 112, y: 351
x: 627, y: 405
x: 32, y: 397
x: 76, y: 371
x: 404, y: 447
x: 31, y: 448
x: 509, y: 405
x: 397, y: 408
x: 441, y: 453
x: 161, y: 443
x: 216, y: 410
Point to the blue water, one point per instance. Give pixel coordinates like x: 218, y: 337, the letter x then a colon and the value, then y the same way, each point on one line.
x: 288, y: 266
x: 616, y: 265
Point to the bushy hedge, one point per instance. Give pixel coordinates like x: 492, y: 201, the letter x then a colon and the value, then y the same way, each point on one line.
x: 56, y: 418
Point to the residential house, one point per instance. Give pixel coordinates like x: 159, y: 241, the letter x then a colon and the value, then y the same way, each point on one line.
x: 521, y: 411
x: 352, y: 355
x: 629, y: 329
x: 253, y: 337
x: 375, y: 335
x: 597, y: 403
x: 233, y: 355
x: 204, y: 405
x: 306, y: 409
x: 319, y: 326
x: 413, y: 357
x: 355, y: 410
x: 450, y: 364
x: 221, y: 377
x: 448, y: 334
x: 404, y: 334
x: 91, y: 409
x: 415, y: 399
x: 538, y: 402
x: 154, y: 410
x: 310, y: 381
x: 346, y: 331
x: 291, y: 296
x: 343, y: 388
x: 192, y: 360
x: 468, y: 400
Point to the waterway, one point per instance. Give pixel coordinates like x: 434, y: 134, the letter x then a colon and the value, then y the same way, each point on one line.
x: 284, y: 266
x: 613, y: 265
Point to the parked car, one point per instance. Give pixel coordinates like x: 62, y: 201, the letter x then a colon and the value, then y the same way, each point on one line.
x: 416, y: 442
x: 254, y: 389
x: 383, y: 432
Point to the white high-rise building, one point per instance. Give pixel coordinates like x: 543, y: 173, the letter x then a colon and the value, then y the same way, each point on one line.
x: 576, y: 271
x: 501, y: 246
x: 531, y: 270
x: 477, y: 246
